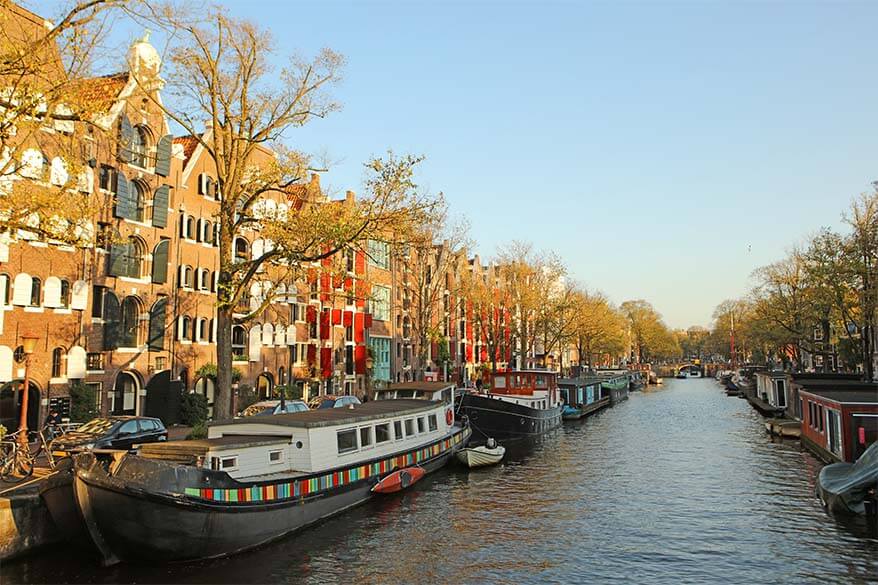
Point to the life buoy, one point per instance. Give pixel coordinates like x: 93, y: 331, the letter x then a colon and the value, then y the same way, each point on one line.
x: 449, y: 417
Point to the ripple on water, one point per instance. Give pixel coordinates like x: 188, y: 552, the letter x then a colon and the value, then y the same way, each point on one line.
x: 680, y: 485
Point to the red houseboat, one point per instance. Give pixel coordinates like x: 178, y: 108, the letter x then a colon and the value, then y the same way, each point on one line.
x: 839, y: 420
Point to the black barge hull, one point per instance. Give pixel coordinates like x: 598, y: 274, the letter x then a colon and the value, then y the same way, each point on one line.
x: 129, y: 520
x: 491, y: 417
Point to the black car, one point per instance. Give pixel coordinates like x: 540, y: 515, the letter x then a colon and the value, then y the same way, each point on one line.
x: 113, y: 432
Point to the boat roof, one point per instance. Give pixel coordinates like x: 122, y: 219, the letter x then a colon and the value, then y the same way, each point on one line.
x: 581, y: 381
x: 202, y: 446
x: 852, y: 393
x: 419, y: 386
x: 530, y: 371
x: 325, y: 417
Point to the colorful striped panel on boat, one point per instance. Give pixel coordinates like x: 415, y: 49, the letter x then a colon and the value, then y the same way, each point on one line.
x: 299, y: 488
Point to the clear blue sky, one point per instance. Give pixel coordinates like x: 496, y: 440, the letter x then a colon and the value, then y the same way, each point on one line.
x: 664, y: 150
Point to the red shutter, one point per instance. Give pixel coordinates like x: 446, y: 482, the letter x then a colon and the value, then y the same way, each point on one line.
x: 469, y: 353
x: 336, y: 316
x: 324, y: 325
x: 312, y: 354
x: 360, y: 359
x: 326, y: 362
x: 469, y: 331
x: 311, y: 314
x: 360, y: 262
x: 348, y: 318
x: 349, y: 284
x: 368, y: 320
x: 359, y: 329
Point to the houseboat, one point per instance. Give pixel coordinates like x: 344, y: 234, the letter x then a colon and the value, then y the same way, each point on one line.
x: 614, y: 383
x: 513, y: 404
x: 689, y: 371
x: 839, y: 419
x: 255, y: 480
x: 581, y: 396
x: 770, y: 397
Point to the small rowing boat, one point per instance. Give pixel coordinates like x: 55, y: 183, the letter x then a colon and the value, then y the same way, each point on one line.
x: 489, y: 454
x: 399, y: 480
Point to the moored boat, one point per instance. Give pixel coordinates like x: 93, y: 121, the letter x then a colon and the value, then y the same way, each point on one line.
x: 399, y: 480
x: 514, y: 403
x: 483, y: 455
x: 615, y: 384
x: 582, y: 396
x: 253, y: 481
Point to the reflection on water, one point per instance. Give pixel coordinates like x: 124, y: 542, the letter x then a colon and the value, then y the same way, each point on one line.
x: 675, y: 485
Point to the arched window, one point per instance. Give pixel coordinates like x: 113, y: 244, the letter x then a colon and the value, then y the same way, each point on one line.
x: 130, y: 328
x: 190, y: 227
x: 6, y: 289
x: 184, y: 328
x: 239, y: 342
x: 203, y: 279
x: 135, y: 252
x: 139, y: 197
x: 65, y: 294
x: 183, y: 224
x: 201, y: 329
x: 57, y: 360
x: 140, y: 147
x: 35, y: 290
x: 208, y: 232
x: 185, y: 279
x: 242, y: 250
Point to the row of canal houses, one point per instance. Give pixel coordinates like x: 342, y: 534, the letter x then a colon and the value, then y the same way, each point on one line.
x: 834, y: 415
x: 132, y: 315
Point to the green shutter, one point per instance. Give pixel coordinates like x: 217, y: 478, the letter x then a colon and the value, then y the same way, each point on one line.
x: 118, y: 259
x: 160, y: 202
x: 156, y: 341
x: 163, y: 155
x: 112, y: 318
x: 126, y: 198
x: 126, y: 139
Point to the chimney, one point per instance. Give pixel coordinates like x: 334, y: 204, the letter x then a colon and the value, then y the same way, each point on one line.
x: 349, y: 197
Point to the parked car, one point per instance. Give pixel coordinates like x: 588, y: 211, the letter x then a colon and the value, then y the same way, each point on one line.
x: 270, y: 407
x: 112, y: 432
x: 330, y: 401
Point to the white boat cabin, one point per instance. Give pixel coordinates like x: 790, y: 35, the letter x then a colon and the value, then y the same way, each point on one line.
x: 313, y: 441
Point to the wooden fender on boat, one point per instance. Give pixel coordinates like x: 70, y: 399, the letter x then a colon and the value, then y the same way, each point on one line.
x: 399, y: 480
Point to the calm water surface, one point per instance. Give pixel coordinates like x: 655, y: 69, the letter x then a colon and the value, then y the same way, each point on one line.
x: 679, y: 485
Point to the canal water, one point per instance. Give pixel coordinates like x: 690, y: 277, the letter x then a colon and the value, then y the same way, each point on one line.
x: 676, y: 485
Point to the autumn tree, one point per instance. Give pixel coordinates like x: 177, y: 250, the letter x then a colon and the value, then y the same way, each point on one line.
x: 530, y: 278
x: 649, y: 334
x: 485, y: 301
x: 430, y: 256
x: 45, y: 110
x: 221, y: 77
x: 599, y: 329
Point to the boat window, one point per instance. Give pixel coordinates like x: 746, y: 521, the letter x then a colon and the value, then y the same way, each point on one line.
x: 405, y: 394
x: 397, y: 429
x: 347, y: 441
x: 541, y: 381
x: 409, y: 427
x: 432, y: 421
x: 365, y: 436
x: 275, y: 456
x: 446, y: 396
x: 382, y: 433
x: 499, y: 382
x: 229, y: 463
x: 421, y: 424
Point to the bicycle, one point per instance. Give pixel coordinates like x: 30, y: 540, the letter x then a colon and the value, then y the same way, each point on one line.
x: 16, y: 464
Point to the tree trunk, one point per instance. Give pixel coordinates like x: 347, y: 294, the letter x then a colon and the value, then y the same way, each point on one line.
x: 223, y: 400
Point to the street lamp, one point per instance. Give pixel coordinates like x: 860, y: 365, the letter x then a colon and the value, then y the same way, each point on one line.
x: 28, y: 343
x: 369, y: 364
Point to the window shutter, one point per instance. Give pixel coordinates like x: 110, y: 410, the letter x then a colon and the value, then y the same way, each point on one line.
x: 52, y: 292
x: 291, y: 334
x: 202, y: 184
x: 160, y: 202
x: 79, y: 295
x: 255, y: 343
x: 118, y: 260
x: 160, y: 262
x: 163, y: 155
x: 126, y: 204
x: 157, y: 312
x: 6, y: 360
x: 112, y: 318
x: 280, y: 335
x: 126, y: 139
x: 76, y: 363
x: 21, y: 289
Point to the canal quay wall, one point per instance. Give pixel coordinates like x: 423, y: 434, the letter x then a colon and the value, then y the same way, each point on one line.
x: 25, y: 523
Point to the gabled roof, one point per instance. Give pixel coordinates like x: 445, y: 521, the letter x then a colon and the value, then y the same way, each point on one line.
x: 189, y: 143
x: 100, y: 93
